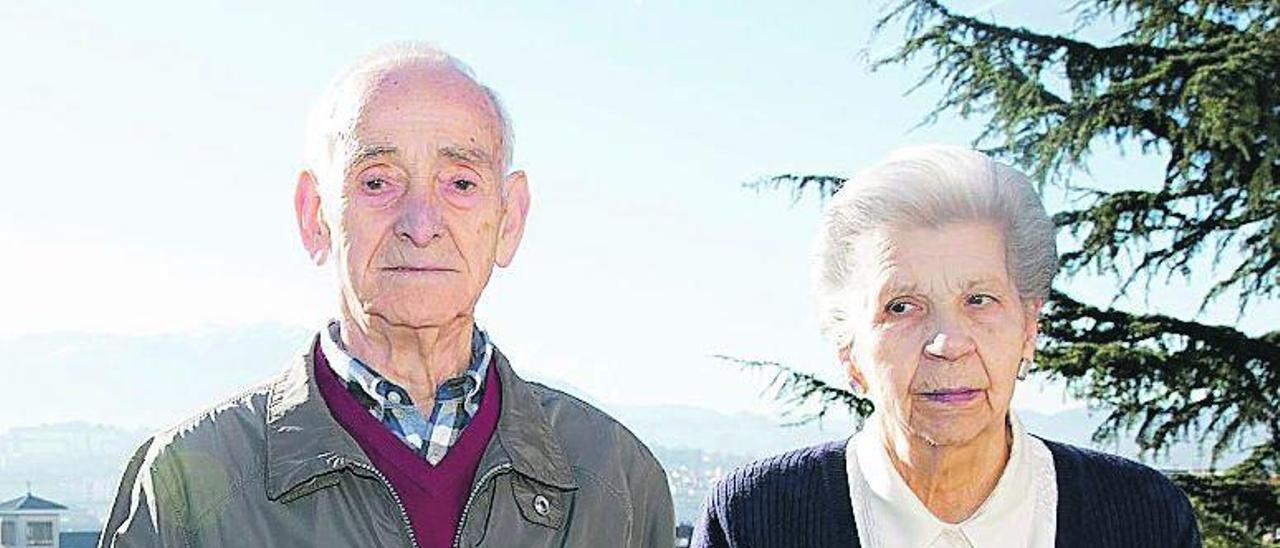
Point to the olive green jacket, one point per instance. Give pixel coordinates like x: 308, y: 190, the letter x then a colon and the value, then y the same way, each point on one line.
x: 272, y: 467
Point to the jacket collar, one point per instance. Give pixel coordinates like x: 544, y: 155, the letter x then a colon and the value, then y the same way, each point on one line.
x: 304, y: 441
x: 526, y: 434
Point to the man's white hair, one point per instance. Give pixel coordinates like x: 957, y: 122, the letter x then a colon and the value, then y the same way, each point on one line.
x: 930, y: 186
x: 328, y: 120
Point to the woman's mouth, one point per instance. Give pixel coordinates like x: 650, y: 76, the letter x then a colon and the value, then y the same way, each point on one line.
x: 957, y: 395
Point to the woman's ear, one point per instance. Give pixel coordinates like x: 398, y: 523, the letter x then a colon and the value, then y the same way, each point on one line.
x: 858, y: 382
x: 1031, y: 322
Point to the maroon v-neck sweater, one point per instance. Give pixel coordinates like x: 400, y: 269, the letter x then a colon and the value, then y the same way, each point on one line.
x: 433, y: 496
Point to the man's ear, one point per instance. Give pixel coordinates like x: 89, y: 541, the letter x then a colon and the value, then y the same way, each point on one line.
x: 515, y: 211
x: 311, y: 222
x: 1032, y: 322
x: 855, y: 375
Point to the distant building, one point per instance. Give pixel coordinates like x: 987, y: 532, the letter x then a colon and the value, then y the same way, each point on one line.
x: 76, y: 464
x: 32, y: 521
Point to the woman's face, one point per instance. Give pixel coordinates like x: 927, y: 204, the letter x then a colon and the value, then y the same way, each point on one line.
x: 939, y: 330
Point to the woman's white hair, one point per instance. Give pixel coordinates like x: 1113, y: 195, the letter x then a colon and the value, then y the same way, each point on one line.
x: 930, y: 186
x: 329, y: 118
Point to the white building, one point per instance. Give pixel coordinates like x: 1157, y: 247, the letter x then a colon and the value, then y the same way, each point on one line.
x: 30, y: 521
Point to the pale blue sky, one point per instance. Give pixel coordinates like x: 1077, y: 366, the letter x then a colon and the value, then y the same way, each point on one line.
x: 150, y: 153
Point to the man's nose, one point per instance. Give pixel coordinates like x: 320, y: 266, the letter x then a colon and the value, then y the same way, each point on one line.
x: 951, y: 340
x: 421, y: 219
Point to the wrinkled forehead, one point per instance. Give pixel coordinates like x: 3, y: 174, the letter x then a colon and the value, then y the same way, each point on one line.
x: 955, y: 257
x: 878, y: 261
x: 404, y: 105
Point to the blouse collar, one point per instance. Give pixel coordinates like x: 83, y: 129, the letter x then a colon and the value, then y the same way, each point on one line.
x: 891, y: 515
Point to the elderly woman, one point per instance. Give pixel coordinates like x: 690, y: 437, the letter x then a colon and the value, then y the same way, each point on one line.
x: 931, y: 272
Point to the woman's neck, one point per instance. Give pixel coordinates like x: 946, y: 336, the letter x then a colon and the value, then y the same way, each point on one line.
x: 951, y: 480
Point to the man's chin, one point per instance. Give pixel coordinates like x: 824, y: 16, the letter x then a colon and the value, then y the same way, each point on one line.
x: 413, y: 319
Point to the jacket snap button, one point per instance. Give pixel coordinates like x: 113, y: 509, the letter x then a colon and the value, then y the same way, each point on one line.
x: 541, y: 505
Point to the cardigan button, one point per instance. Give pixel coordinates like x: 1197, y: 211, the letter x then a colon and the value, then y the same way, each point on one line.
x: 541, y: 505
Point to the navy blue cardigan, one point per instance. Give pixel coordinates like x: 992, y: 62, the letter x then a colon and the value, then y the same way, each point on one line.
x: 801, y: 499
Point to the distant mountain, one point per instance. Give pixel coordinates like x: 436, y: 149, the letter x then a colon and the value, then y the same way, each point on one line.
x: 740, y: 433
x: 152, y: 380
x: 1077, y: 426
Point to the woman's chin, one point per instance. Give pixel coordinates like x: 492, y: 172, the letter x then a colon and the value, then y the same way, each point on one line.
x: 950, y: 430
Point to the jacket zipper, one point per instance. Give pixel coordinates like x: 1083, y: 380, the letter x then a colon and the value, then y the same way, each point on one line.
x: 404, y: 514
x: 475, y: 490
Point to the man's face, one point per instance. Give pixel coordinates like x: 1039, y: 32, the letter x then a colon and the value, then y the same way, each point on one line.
x: 422, y: 218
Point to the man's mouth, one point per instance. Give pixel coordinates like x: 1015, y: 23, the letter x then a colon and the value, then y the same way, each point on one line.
x: 417, y: 269
x: 952, y: 395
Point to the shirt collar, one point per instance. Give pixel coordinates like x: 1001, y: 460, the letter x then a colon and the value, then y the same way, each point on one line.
x: 378, y: 391
x: 431, y: 435
x: 900, y: 516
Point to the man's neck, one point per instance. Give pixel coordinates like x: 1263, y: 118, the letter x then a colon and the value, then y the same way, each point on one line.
x: 417, y: 359
x: 954, y: 480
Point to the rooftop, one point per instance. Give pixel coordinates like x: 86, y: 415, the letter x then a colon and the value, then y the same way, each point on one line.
x: 29, y: 502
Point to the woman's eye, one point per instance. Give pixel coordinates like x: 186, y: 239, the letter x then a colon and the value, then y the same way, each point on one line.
x: 981, y: 300
x: 898, y: 308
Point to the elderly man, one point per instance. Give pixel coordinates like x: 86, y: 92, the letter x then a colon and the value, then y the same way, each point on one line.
x: 401, y: 424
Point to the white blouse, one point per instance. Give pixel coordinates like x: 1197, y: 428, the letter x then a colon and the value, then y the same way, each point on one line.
x: 1021, y: 511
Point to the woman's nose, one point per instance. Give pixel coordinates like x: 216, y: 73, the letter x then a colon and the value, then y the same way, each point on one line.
x: 949, y: 344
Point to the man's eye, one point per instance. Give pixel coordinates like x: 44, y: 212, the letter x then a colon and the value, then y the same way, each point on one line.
x: 463, y: 185
x: 375, y: 185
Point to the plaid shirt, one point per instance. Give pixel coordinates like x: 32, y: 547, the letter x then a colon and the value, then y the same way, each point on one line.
x: 457, y: 399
